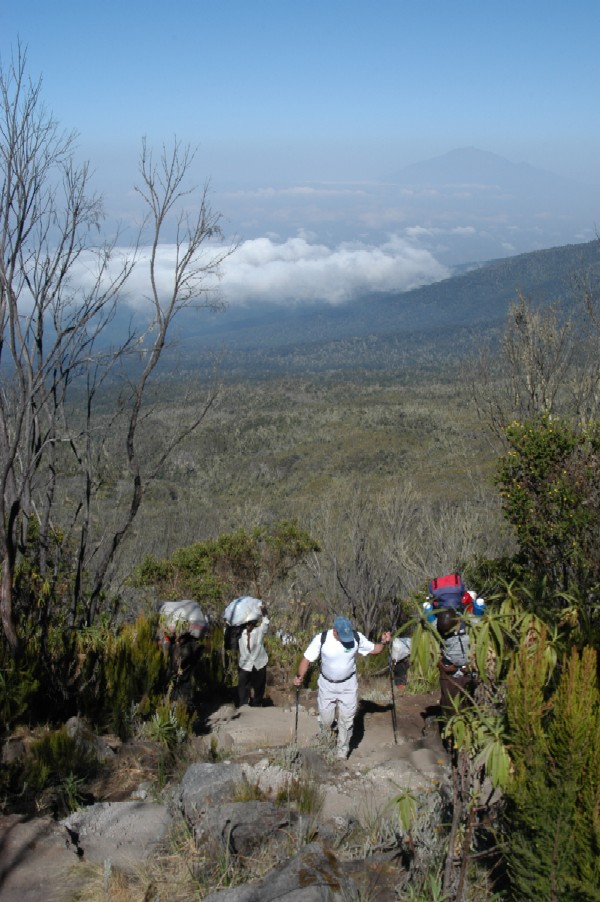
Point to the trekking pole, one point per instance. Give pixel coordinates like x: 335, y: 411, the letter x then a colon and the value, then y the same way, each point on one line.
x: 296, y: 724
x: 394, y: 721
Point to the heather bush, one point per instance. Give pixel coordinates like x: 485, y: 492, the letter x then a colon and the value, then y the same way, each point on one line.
x: 549, y: 482
x: 552, y: 822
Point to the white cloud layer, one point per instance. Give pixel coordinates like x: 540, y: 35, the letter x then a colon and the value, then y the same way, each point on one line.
x: 295, y: 271
x: 297, y: 191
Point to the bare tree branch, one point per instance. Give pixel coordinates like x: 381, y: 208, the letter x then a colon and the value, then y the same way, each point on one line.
x: 60, y: 289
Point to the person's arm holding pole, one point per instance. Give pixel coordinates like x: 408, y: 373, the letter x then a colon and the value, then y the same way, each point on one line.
x: 386, y: 638
x: 302, y: 671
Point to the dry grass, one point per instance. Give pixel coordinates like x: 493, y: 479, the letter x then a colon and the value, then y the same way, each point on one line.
x: 179, y: 872
x: 183, y: 870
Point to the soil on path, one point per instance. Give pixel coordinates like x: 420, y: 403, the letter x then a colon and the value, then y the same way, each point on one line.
x: 382, y: 760
x: 37, y: 861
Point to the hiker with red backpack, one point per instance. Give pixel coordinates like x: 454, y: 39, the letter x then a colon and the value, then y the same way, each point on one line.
x: 449, y: 592
x: 453, y: 608
x: 455, y: 675
x: 337, y: 684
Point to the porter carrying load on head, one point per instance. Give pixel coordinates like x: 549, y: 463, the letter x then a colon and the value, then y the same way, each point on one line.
x: 175, y: 618
x: 238, y: 612
x: 182, y: 631
x: 253, y: 659
x: 400, y: 657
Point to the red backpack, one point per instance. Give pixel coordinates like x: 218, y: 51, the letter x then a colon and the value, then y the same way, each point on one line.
x: 449, y: 592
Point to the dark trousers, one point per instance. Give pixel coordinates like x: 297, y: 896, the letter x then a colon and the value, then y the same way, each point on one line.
x: 252, y: 679
x: 451, y: 687
x: 401, y: 672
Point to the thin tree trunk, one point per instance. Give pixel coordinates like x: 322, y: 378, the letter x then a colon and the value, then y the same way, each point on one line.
x: 6, y: 607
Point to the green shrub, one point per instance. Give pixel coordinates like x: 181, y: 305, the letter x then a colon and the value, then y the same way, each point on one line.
x: 552, y: 823
x: 60, y: 763
x: 217, y: 570
x: 549, y: 481
x: 19, y: 686
x: 119, y: 671
x: 170, y: 725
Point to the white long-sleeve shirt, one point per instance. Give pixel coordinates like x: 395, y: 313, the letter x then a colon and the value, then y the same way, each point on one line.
x: 252, y: 651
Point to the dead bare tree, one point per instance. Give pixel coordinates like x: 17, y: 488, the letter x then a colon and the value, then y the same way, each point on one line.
x: 48, y: 324
x: 547, y: 361
x: 192, y: 283
x: 535, y: 356
x: 370, y: 553
x: 52, y: 322
x: 378, y: 548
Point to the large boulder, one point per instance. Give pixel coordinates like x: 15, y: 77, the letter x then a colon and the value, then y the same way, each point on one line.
x: 124, y: 832
x: 205, y: 785
x: 87, y: 741
x: 242, y: 827
x: 312, y: 875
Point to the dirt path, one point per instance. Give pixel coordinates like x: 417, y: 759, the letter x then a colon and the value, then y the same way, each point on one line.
x: 36, y: 862
x: 380, y: 763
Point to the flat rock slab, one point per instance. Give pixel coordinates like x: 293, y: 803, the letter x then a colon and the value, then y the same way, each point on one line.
x: 380, y: 763
x: 124, y: 832
x: 252, y: 728
x: 44, y: 860
x: 35, y: 861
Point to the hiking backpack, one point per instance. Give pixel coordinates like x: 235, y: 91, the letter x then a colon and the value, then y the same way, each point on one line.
x: 448, y: 592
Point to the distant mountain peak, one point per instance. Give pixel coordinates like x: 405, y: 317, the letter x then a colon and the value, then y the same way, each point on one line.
x: 469, y: 165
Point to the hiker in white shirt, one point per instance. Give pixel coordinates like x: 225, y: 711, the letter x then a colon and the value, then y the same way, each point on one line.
x: 253, y: 660
x: 337, y: 683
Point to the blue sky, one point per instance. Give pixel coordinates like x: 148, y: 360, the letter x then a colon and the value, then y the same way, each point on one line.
x: 282, y: 95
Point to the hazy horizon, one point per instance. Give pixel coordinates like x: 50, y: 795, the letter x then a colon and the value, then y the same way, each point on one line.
x: 304, y: 115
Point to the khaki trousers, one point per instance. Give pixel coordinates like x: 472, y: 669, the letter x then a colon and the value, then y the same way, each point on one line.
x: 344, y: 698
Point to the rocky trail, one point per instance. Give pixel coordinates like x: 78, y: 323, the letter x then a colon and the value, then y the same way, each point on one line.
x: 42, y: 859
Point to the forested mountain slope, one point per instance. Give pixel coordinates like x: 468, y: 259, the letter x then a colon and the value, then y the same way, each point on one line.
x: 382, y: 331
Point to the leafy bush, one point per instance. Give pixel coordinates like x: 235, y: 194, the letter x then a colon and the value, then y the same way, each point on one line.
x: 233, y: 564
x: 549, y: 481
x: 61, y: 763
x: 170, y: 725
x: 118, y: 671
x: 18, y: 687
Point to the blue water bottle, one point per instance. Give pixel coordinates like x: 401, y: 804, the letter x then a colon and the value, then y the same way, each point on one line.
x: 428, y: 610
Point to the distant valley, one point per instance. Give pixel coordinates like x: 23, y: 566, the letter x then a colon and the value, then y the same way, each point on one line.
x: 380, y: 331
